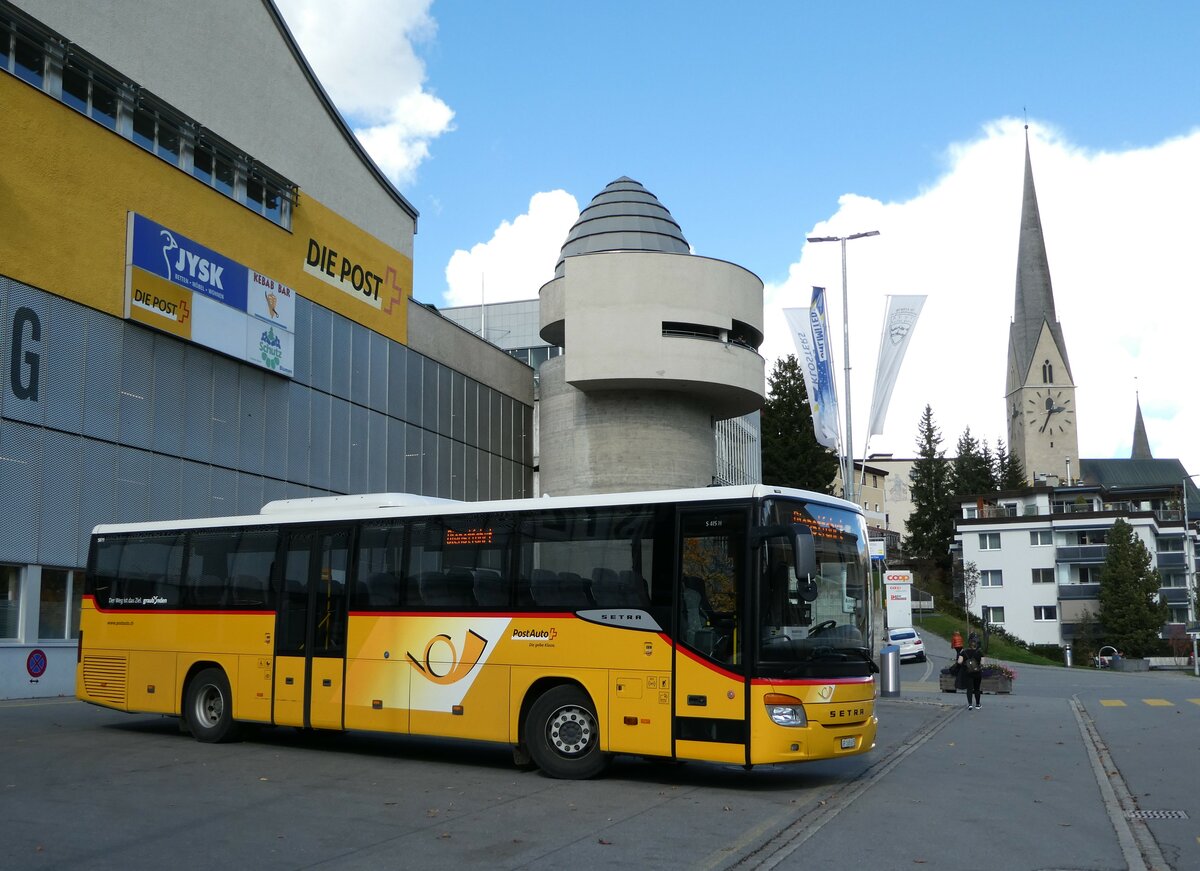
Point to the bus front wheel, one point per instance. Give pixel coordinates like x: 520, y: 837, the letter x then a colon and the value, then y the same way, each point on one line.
x: 563, y: 735
x: 208, y: 707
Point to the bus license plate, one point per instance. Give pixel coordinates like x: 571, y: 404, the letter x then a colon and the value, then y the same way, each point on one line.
x: 848, y: 743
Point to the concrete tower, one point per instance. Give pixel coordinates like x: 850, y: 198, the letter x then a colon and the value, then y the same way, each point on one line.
x: 658, y: 345
x: 1040, y: 393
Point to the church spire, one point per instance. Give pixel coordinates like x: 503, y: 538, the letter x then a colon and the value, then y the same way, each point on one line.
x: 1035, y: 296
x: 1141, y: 444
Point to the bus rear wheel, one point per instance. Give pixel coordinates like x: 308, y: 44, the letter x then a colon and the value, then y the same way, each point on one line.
x: 563, y: 734
x: 208, y: 707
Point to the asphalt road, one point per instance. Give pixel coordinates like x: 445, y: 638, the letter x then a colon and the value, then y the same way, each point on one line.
x: 1044, y: 778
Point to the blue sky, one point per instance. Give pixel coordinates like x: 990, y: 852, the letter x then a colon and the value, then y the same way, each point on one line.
x: 760, y: 126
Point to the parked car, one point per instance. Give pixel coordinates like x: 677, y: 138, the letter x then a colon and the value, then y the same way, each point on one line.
x: 909, y: 641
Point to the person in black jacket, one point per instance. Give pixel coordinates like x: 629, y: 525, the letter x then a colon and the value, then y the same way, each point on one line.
x: 970, y: 670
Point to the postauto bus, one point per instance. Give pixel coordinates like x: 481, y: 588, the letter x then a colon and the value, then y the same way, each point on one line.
x: 718, y: 624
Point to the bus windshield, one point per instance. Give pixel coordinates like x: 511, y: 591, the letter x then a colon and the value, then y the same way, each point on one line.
x: 815, y: 626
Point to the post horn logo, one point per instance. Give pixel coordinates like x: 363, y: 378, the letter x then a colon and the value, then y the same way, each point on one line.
x: 473, y: 648
x: 825, y: 692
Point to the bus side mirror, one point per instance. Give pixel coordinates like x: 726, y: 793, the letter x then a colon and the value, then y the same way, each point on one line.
x: 805, y: 554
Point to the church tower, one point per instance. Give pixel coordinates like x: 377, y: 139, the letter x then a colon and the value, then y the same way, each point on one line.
x: 1040, y: 393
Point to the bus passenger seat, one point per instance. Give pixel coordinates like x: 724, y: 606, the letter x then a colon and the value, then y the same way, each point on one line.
x: 383, y: 589
x: 490, y: 588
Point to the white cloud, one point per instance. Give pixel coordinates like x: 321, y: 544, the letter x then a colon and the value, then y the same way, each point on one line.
x: 1120, y: 228
x: 362, y: 51
x: 518, y: 259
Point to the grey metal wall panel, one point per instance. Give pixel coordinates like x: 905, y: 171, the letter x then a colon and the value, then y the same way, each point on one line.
x: 225, y: 423
x: 430, y: 399
x: 136, y: 401
x: 360, y: 480
x: 342, y: 353
x: 458, y: 402
x: 198, y: 411
x: 298, y: 429
x: 445, y: 391
x: 377, y: 372
x: 322, y: 348
x: 495, y: 422
x: 21, y: 484
x: 445, y: 467
x: 252, y: 420
x: 196, y: 489
x: 359, y: 352
x: 508, y: 423
x: 5, y: 330
x: 397, y: 380
x: 29, y: 322
x: 527, y: 435
x: 471, y: 473
x: 276, y: 395
x: 483, y: 475
x: 414, y: 380
x: 302, y: 362
x: 224, y: 492
x: 170, y: 397
x: 318, y: 445
x: 458, y: 462
x: 62, y: 476
x: 103, y: 378
x: 429, y: 463
x: 471, y: 409
x: 131, y: 487
x: 391, y: 450
x: 339, y: 445
x: 65, y: 362
x: 414, y: 458
x: 496, y: 465
x: 165, y: 495
x: 377, y: 452
x: 97, y: 496
x: 250, y: 490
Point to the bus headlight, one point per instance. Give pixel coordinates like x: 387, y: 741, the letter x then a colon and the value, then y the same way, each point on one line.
x: 785, y: 710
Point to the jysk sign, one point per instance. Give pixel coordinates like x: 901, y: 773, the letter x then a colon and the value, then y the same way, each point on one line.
x: 181, y: 287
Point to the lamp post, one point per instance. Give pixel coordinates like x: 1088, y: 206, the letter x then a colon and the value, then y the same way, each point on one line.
x: 848, y: 466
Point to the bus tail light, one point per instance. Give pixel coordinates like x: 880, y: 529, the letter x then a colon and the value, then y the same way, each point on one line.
x: 785, y: 710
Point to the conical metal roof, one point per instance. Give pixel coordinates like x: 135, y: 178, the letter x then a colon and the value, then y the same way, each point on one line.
x: 1035, y: 295
x: 623, y: 217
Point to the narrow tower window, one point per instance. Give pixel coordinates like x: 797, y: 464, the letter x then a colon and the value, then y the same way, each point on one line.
x: 1047, y: 373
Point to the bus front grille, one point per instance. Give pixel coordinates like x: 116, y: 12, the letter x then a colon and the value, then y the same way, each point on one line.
x: 105, y: 678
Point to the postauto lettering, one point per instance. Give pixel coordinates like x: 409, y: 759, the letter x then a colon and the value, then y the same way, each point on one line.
x: 178, y: 259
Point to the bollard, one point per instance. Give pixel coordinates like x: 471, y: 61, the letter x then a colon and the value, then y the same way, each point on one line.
x: 889, y: 672
x: 1067, y: 655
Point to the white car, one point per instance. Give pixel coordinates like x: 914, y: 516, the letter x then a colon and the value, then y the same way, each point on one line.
x: 910, y: 643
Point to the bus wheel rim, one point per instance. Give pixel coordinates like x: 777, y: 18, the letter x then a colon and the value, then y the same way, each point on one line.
x: 210, y: 706
x: 571, y: 731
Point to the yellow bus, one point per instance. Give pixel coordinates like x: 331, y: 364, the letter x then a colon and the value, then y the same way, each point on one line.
x: 720, y: 624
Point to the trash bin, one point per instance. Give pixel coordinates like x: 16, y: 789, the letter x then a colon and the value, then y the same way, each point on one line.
x: 1067, y: 655
x: 889, y: 672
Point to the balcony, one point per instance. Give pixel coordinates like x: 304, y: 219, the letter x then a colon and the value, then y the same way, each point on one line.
x: 1078, y: 591
x: 1083, y: 553
x: 1173, y: 595
x: 1171, y: 559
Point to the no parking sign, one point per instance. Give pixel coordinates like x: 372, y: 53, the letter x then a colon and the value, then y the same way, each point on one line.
x: 35, y: 664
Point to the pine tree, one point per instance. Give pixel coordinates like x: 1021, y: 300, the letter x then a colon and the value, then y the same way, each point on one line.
x: 972, y: 468
x: 791, y: 454
x: 1129, y: 611
x: 931, y: 524
x: 1010, y: 473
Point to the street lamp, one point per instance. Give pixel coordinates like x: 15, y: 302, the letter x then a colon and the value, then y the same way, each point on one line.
x: 848, y: 465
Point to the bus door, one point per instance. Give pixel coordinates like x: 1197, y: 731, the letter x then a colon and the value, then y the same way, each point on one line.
x: 310, y: 629
x: 710, y: 662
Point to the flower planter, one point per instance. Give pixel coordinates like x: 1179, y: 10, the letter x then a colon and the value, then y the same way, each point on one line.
x: 995, y: 684
x: 1126, y: 664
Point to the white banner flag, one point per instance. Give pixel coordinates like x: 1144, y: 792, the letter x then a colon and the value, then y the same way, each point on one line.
x: 824, y: 419
x: 898, y: 324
